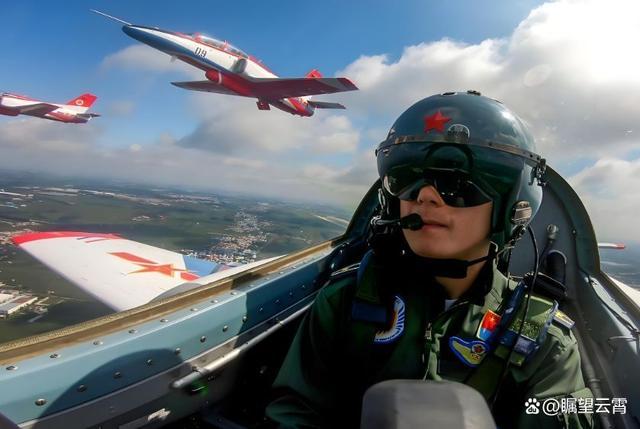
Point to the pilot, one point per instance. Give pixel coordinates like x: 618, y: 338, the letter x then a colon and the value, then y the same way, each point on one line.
x: 460, y: 183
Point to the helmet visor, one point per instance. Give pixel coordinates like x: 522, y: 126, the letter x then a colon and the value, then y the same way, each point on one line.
x: 456, y: 187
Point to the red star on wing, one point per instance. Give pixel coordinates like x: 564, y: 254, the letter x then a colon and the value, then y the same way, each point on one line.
x: 152, y: 267
x: 435, y: 122
x: 166, y: 269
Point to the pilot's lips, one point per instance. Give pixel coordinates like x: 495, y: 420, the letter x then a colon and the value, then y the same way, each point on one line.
x: 432, y: 225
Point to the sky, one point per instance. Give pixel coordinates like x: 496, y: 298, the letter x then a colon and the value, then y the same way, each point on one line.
x: 566, y: 67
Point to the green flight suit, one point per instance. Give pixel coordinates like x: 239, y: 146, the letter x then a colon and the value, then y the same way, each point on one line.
x: 330, y: 364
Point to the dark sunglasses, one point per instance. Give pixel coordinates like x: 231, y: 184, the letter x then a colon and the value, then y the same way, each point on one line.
x: 456, y: 188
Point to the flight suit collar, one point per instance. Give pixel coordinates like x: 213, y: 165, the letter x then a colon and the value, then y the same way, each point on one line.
x: 482, y: 285
x: 376, y: 280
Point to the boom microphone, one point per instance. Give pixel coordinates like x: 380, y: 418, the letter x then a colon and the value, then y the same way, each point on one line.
x: 412, y: 222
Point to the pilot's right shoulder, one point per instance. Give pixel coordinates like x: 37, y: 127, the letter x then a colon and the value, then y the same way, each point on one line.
x: 340, y: 283
x: 348, y: 271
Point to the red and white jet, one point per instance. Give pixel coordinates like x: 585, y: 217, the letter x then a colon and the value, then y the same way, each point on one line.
x: 230, y: 71
x: 74, y: 111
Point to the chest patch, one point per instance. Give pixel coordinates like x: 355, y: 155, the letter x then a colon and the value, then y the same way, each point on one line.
x: 471, y: 352
x: 488, y: 325
x: 397, y: 326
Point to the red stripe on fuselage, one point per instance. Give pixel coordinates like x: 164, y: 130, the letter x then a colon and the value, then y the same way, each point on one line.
x: 300, y: 107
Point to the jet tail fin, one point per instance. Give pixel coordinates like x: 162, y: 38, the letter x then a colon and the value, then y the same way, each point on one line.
x: 313, y: 73
x: 83, y: 102
x: 325, y: 105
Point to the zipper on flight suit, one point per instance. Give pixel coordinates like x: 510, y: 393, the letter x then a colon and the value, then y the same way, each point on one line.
x: 428, y: 332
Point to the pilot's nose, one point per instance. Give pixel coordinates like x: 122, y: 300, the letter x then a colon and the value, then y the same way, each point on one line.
x: 429, y: 195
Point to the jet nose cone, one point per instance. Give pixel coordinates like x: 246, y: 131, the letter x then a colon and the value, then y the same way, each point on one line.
x: 155, y: 38
x: 132, y: 31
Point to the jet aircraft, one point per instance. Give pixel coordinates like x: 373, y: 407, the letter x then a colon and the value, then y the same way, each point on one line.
x: 230, y: 71
x: 73, y: 111
x: 208, y: 346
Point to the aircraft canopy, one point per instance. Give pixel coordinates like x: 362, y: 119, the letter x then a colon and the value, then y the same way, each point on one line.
x: 219, y: 44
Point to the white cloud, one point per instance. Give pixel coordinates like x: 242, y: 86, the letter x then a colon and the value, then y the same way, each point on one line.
x: 144, y: 58
x: 234, y: 125
x: 320, y: 171
x: 569, y: 69
x: 121, y: 108
x: 44, y: 136
x: 610, y: 191
x: 75, y: 150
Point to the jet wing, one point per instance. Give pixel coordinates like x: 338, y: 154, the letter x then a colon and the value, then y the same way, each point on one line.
x: 615, y: 246
x: 276, y: 88
x: 632, y: 293
x: 37, y: 109
x: 121, y: 273
x: 205, y: 86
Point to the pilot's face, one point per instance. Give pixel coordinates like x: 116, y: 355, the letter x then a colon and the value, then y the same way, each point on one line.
x: 450, y: 232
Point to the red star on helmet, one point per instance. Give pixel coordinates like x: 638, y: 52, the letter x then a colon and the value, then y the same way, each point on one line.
x: 435, y: 122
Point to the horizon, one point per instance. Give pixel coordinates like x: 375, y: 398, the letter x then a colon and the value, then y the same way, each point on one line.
x: 561, y: 66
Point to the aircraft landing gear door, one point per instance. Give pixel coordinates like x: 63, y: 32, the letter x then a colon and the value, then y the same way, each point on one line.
x: 263, y: 105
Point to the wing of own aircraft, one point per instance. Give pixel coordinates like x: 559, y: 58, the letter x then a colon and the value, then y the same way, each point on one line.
x: 121, y: 273
x: 126, y: 370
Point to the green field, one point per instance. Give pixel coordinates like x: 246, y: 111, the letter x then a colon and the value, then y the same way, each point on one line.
x: 173, y: 220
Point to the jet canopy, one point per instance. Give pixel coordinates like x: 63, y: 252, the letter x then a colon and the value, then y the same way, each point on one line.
x: 218, y: 44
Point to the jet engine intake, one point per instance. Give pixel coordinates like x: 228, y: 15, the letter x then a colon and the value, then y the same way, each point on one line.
x: 239, y: 66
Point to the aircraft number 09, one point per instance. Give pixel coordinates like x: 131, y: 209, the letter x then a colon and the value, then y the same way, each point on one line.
x: 201, y: 52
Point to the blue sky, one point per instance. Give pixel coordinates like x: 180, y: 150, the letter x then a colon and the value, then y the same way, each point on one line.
x: 563, y: 66
x: 53, y: 51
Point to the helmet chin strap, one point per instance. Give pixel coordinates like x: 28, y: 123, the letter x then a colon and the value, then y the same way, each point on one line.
x: 452, y: 268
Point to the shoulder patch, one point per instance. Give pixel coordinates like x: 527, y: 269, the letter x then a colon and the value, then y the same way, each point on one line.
x: 564, y: 320
x: 397, y: 326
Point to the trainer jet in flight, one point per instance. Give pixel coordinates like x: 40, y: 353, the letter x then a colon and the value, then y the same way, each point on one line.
x: 230, y: 71
x: 74, y: 111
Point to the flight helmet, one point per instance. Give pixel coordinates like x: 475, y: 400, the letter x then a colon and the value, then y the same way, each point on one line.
x: 473, y: 150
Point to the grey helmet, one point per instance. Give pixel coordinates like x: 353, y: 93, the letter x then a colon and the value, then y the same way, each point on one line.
x: 464, y: 134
